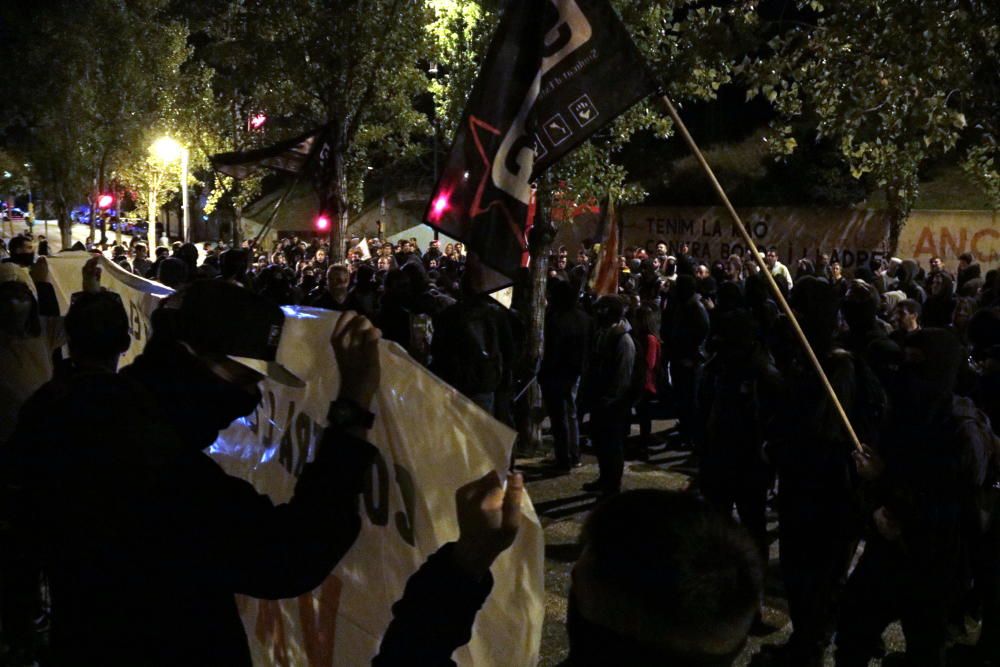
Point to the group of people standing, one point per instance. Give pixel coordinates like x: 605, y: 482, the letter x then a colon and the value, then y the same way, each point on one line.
x: 913, y: 356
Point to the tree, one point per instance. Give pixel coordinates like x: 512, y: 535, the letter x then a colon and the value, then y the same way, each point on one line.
x: 895, y: 84
x: 691, y: 46
x: 92, y: 79
x: 353, y: 68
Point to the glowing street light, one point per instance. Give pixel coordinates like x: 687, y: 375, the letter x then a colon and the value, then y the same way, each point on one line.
x: 166, y: 150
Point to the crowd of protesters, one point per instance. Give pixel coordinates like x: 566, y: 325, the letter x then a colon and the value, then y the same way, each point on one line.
x: 913, y: 354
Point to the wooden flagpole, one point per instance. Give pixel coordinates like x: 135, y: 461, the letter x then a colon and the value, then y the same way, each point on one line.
x: 782, y: 303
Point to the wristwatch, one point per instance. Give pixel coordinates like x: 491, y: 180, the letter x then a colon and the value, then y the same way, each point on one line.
x: 345, y: 413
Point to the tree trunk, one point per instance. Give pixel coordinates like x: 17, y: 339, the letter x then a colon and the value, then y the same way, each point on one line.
x: 65, y: 224
x: 100, y: 191
x: 540, y: 243
x: 237, y: 225
x: 898, y: 214
x: 338, y: 225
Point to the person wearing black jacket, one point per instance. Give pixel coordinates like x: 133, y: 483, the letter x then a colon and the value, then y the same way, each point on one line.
x: 685, y: 328
x: 922, y: 488
x: 567, y: 336
x: 144, y: 539
x: 606, y: 392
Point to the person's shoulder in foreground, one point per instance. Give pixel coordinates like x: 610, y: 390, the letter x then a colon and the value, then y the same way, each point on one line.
x: 662, y: 579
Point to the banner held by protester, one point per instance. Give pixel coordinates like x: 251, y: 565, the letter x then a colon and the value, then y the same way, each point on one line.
x: 408, y: 502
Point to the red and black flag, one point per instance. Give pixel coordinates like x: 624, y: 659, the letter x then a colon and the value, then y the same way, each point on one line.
x: 556, y: 72
x: 606, y: 272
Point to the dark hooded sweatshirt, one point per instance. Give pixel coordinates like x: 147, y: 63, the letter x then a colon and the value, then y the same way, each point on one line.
x: 144, y: 539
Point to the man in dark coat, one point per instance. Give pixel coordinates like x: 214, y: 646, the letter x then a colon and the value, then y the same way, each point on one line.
x: 685, y: 329
x: 143, y: 538
x: 818, y: 518
x: 923, y: 484
x: 606, y: 391
x: 736, y: 405
x: 567, y: 336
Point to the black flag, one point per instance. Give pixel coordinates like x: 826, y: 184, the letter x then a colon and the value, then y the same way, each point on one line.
x: 556, y: 72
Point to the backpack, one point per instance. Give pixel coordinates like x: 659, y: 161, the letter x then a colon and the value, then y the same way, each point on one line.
x: 637, y: 382
x: 973, y: 427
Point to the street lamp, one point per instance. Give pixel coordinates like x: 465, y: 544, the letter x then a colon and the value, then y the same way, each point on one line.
x: 166, y: 150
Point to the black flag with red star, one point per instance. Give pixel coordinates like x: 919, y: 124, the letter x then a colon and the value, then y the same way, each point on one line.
x: 556, y: 72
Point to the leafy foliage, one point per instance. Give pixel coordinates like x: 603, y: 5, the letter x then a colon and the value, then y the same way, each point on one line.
x: 894, y: 84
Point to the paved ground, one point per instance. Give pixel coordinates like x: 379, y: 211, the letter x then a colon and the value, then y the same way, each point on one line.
x: 562, y: 506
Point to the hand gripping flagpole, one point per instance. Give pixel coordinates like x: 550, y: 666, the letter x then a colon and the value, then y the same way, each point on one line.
x: 668, y: 105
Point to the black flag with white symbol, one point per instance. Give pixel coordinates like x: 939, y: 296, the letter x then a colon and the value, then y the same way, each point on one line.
x: 556, y: 72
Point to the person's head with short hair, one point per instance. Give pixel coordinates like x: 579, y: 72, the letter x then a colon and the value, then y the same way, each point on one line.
x: 701, y: 272
x: 771, y: 258
x: 173, y: 272
x: 906, y: 315
x: 162, y: 252
x: 663, y: 579
x: 234, y: 263
x: 22, y: 250
x: 97, y: 329
x: 836, y: 271
x: 661, y: 249
x: 139, y: 250
x: 965, y: 261
x: 338, y: 277
x: 935, y: 264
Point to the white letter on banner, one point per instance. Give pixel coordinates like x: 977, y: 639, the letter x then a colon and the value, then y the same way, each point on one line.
x: 512, y: 173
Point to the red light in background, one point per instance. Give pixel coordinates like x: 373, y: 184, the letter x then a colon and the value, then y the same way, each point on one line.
x: 439, y: 206
x: 105, y: 201
x: 322, y: 223
x: 257, y: 121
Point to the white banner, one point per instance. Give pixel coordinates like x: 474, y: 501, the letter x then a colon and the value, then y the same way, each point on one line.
x: 431, y: 440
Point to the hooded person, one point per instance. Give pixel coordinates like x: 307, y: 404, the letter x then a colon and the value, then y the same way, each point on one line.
x: 27, y: 341
x: 860, y: 312
x: 685, y: 329
x: 567, y: 341
x: 907, y: 275
x: 984, y: 336
x: 605, y: 391
x: 31, y: 332
x: 924, y: 481
x: 940, y: 303
x: 818, y: 523
x: 139, y: 533
x: 737, y: 396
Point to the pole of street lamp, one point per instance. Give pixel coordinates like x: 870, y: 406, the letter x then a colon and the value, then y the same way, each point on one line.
x: 186, y: 230
x: 151, y: 231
